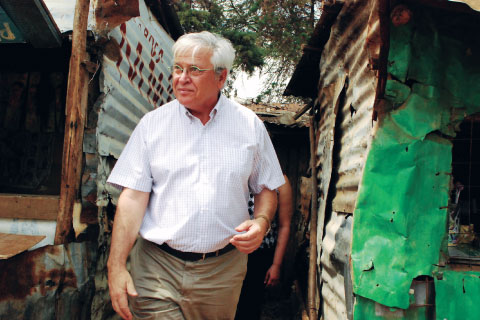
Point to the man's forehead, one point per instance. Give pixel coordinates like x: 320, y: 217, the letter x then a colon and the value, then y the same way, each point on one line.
x: 193, y: 56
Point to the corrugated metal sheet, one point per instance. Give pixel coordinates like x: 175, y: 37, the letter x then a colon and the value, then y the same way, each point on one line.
x: 330, y: 99
x: 53, y: 282
x: 347, y: 53
x: 136, y: 79
x: 347, y: 63
x: 335, y: 259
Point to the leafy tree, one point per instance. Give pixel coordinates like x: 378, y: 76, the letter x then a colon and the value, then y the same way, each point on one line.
x: 266, y: 34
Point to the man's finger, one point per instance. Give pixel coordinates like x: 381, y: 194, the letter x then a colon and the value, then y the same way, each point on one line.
x: 244, y: 226
x: 123, y: 309
x: 131, y: 289
x: 243, y: 237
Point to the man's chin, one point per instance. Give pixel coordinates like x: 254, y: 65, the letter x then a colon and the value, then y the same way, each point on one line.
x: 184, y: 101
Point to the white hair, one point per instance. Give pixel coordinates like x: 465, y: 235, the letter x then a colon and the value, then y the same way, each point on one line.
x: 222, y: 50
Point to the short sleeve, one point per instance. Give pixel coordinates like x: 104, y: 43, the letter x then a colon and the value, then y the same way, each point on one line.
x: 266, y: 171
x: 132, y: 169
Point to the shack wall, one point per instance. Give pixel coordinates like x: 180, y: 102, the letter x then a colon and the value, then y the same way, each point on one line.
x: 344, y: 131
x: 400, y: 220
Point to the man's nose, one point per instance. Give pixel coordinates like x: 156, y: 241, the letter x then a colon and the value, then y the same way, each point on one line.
x: 185, y: 76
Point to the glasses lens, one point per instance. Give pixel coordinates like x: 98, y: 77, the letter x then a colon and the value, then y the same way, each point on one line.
x: 195, y: 71
x: 176, y: 69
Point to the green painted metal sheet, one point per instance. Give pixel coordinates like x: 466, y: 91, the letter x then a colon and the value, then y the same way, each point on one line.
x: 457, y: 295
x: 400, y: 217
x: 9, y: 32
x: 367, y: 309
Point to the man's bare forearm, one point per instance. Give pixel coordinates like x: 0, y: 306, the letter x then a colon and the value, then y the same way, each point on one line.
x: 128, y: 219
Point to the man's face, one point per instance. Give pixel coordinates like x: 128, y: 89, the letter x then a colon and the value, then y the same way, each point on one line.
x: 197, y: 92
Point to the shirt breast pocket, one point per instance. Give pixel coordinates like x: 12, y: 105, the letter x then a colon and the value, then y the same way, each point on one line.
x: 234, y: 163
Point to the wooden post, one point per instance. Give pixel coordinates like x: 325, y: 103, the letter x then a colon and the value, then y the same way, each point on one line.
x: 75, y: 110
x: 312, y: 268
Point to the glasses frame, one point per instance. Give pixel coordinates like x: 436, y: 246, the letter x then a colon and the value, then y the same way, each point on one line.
x: 190, y: 70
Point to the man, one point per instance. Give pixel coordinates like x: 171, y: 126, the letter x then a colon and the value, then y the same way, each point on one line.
x: 186, y: 173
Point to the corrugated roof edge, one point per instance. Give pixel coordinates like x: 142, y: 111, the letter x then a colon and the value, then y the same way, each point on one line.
x: 167, y: 16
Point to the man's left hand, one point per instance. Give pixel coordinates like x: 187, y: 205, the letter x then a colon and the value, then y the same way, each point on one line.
x: 252, y: 239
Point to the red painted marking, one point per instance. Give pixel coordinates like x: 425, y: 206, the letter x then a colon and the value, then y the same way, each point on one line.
x: 140, y: 83
x: 160, y: 56
x: 151, y: 65
x: 160, y: 77
x: 170, y: 77
x: 145, y: 33
x: 132, y: 72
x: 123, y: 30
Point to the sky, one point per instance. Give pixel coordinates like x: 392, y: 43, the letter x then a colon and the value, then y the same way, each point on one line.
x: 63, y: 12
x: 248, y: 87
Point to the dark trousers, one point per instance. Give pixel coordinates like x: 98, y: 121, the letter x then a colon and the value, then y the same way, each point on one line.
x: 251, y: 298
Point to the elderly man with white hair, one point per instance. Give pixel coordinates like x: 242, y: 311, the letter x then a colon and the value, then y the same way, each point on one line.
x: 186, y: 173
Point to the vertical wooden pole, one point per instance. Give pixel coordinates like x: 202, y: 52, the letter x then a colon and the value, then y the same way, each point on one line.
x: 312, y: 269
x: 75, y: 110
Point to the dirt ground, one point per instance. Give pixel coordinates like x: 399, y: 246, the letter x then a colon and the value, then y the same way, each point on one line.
x: 281, y: 305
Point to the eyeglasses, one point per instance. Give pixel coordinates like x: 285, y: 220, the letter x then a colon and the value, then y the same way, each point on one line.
x: 193, y: 71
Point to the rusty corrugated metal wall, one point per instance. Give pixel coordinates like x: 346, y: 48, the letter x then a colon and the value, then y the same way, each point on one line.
x: 136, y: 79
x: 345, y: 105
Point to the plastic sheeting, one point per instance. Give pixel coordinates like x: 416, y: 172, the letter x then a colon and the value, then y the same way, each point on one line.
x: 400, y: 217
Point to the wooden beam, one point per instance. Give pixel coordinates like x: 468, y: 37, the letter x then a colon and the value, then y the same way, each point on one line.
x: 13, y: 244
x: 29, y: 206
x: 76, y: 105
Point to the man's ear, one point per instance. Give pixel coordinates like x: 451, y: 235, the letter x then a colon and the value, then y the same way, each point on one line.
x: 222, y: 77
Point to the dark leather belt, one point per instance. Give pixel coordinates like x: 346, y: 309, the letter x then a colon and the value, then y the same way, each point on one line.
x: 194, y: 256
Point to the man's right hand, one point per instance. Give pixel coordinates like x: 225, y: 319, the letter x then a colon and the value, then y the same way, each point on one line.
x: 120, y: 283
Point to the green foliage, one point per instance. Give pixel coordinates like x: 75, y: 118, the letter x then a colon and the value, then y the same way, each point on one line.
x: 266, y: 34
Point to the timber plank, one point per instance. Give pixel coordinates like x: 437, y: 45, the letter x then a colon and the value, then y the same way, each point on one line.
x: 13, y: 244
x: 76, y: 106
x: 29, y: 206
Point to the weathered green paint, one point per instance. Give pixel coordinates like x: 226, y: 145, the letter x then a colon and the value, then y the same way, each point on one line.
x: 9, y: 32
x: 367, y: 309
x: 400, y: 217
x: 457, y: 295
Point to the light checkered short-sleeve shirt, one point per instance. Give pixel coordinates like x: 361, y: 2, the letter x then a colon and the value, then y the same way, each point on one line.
x: 199, y: 175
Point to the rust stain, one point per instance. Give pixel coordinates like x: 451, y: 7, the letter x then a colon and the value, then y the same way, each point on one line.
x: 112, y: 13
x: 25, y: 274
x: 400, y: 15
x: 89, y: 215
x: 112, y: 51
x: 306, y: 190
x: 17, y: 277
